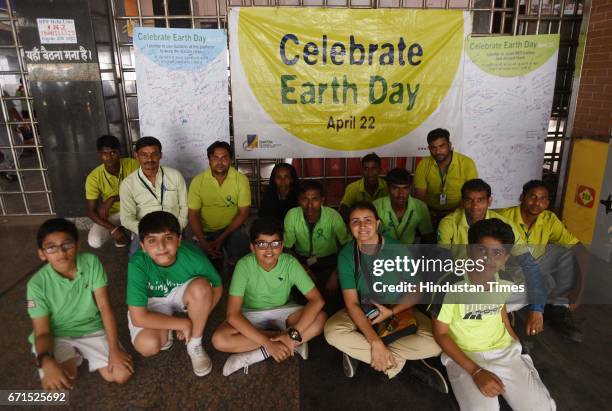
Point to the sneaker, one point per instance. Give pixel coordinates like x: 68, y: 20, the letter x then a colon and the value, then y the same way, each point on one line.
x: 202, y: 365
x: 235, y: 362
x: 349, y: 365
x: 428, y: 375
x: 561, y: 319
x: 169, y: 342
x: 302, y: 350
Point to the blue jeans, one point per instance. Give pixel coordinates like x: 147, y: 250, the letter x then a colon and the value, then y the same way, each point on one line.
x: 235, y: 246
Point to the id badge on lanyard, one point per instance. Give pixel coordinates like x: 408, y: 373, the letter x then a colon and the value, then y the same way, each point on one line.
x: 442, y: 198
x: 442, y: 187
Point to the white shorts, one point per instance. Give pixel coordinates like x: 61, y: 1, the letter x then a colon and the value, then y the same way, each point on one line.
x: 168, y: 305
x: 92, y: 347
x: 273, y: 318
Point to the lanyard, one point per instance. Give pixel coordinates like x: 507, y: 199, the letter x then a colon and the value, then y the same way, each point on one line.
x: 444, y: 176
x: 399, y: 235
x: 527, y: 232
x: 311, y: 232
x: 163, y: 188
x: 311, y: 229
x: 359, y: 263
x: 120, y: 177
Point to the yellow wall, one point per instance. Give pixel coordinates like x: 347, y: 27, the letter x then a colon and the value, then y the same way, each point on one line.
x: 587, y: 168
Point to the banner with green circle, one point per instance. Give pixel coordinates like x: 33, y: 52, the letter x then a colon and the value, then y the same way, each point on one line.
x: 347, y: 79
x: 512, y: 56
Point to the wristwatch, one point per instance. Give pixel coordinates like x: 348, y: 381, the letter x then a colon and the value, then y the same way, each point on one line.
x: 294, y: 334
x: 40, y: 357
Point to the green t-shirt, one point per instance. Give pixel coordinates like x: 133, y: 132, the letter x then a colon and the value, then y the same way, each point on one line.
x: 147, y: 279
x: 261, y: 289
x: 101, y: 184
x: 69, y: 304
x: 415, y: 217
x: 350, y: 280
x: 322, y: 240
x: 475, y: 319
x: 218, y: 204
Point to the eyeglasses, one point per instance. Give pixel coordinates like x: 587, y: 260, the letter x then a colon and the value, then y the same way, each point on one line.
x: 52, y: 249
x: 264, y: 245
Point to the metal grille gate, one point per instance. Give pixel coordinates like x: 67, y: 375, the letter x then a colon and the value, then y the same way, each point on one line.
x: 24, y: 186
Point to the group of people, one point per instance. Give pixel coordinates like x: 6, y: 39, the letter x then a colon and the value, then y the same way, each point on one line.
x: 300, y: 262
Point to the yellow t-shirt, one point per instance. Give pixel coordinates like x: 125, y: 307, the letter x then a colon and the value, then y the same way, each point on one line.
x: 427, y: 177
x: 475, y: 321
x: 453, y: 228
x: 101, y: 184
x: 547, y: 228
x: 356, y: 191
x: 218, y: 204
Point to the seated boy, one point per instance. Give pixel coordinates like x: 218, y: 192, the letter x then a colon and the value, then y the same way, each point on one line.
x: 71, y: 312
x: 316, y: 232
x: 167, y: 276
x: 259, y: 300
x: 482, y: 353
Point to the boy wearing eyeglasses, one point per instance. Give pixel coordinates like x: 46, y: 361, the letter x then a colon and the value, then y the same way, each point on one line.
x: 167, y: 276
x: 72, y: 318
x: 259, y: 300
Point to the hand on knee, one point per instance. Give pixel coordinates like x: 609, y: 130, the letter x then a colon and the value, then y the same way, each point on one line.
x: 119, y: 375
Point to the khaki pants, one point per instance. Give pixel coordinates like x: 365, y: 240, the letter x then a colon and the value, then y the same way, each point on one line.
x: 342, y: 333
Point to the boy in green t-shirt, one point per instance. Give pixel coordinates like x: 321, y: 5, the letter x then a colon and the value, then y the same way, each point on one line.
x: 315, y: 233
x: 402, y: 215
x: 71, y: 312
x: 259, y: 300
x: 482, y: 353
x: 167, y: 276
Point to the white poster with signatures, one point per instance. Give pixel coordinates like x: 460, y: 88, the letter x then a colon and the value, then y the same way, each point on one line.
x: 508, y: 95
x: 183, y: 92
x: 56, y: 31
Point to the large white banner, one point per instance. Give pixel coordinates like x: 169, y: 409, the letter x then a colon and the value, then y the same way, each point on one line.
x: 182, y: 92
x: 313, y: 82
x: 508, y: 91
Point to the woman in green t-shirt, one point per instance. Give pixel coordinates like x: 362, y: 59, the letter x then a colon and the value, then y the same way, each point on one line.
x: 352, y: 329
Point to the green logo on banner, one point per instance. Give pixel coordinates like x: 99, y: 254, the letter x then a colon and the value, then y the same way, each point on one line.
x: 512, y: 56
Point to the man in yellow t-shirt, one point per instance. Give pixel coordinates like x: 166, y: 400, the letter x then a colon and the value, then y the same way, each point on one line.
x: 554, y: 248
x: 219, y: 201
x: 368, y: 188
x: 438, y: 179
x: 102, y: 193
